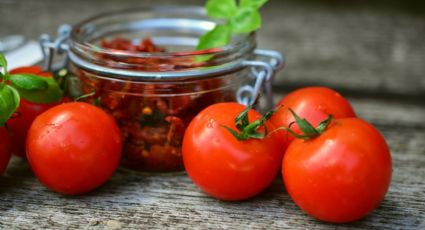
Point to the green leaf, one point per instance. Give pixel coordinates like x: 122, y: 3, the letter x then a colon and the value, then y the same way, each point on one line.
x: 217, y: 37
x: 252, y: 3
x: 222, y: 9
x: 246, y: 20
x: 9, y: 102
x: 28, y: 81
x: 3, y: 63
x: 51, y: 94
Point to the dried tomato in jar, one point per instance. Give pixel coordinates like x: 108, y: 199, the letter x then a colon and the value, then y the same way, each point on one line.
x: 140, y: 67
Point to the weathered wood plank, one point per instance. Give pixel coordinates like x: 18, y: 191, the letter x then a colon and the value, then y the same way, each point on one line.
x: 133, y: 200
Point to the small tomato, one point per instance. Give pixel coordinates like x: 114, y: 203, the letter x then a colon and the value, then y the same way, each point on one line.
x: 74, y: 147
x: 223, y: 166
x: 312, y: 103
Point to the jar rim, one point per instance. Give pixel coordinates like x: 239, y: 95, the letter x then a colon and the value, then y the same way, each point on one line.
x: 233, y: 46
x: 225, y: 59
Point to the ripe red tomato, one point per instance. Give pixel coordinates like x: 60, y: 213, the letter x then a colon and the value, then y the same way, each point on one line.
x: 312, y: 103
x: 25, y: 114
x: 222, y: 166
x: 4, y: 149
x: 341, y: 175
x: 74, y: 147
x: 20, y: 123
x: 31, y: 69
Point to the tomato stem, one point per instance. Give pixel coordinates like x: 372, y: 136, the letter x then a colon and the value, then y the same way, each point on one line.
x: 250, y: 130
x: 308, y: 130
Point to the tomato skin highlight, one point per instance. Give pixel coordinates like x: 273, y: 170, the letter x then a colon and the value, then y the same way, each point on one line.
x: 74, y: 147
x: 4, y: 149
x: 222, y: 166
x: 312, y: 103
x: 341, y: 175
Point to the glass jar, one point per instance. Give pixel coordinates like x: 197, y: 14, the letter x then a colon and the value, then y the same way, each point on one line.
x: 154, y: 95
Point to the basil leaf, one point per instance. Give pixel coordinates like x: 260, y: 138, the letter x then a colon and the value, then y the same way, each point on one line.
x: 217, y: 37
x: 51, y: 94
x: 9, y: 102
x: 222, y: 9
x: 252, y: 3
x: 3, y: 63
x: 246, y: 20
x: 28, y: 81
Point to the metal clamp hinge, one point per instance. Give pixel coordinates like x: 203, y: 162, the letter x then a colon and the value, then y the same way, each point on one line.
x: 275, y: 59
x: 51, y: 47
x: 264, y: 72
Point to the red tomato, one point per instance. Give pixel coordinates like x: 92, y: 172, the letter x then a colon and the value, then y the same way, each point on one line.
x: 4, y: 149
x: 20, y: 123
x: 341, y: 175
x: 74, y: 147
x: 27, y: 69
x: 31, y: 69
x: 222, y: 166
x: 312, y: 103
x: 25, y: 114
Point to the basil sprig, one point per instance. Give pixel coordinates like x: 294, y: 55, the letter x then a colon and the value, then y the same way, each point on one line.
x: 238, y: 19
x: 31, y: 87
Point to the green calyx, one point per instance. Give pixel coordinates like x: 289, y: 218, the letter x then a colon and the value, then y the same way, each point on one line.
x: 237, y: 19
x: 247, y: 130
x: 309, y: 132
x: 31, y: 87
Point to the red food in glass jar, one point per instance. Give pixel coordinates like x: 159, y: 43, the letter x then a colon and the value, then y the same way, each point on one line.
x: 152, y: 116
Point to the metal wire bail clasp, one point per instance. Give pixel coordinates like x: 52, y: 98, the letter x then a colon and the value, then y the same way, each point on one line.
x: 264, y: 72
x: 59, y: 46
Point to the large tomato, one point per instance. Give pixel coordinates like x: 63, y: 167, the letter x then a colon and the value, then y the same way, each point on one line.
x: 221, y: 165
x: 74, y: 147
x: 312, y: 103
x: 25, y: 114
x: 4, y: 149
x: 340, y: 175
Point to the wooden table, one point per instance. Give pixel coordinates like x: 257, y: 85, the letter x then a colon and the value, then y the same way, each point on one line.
x: 373, y: 54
